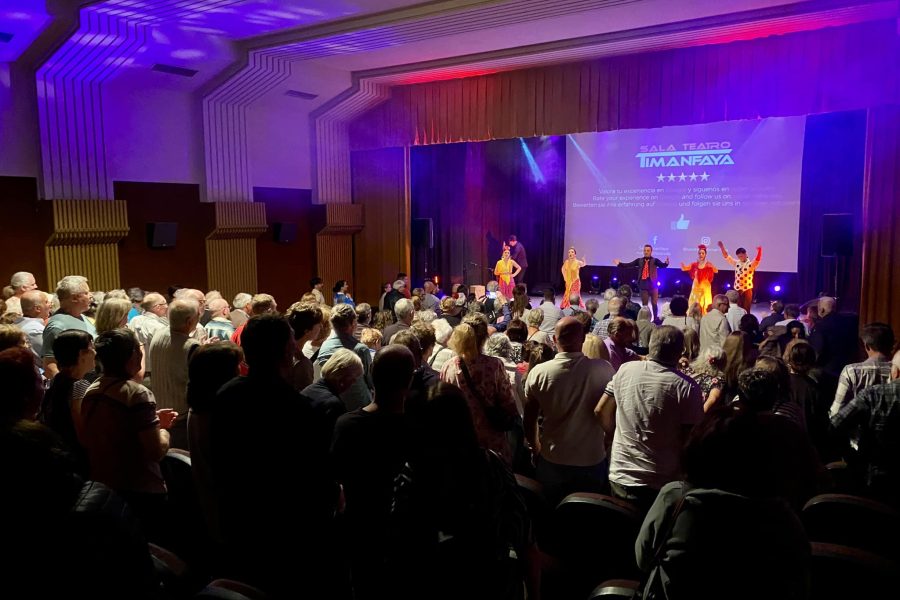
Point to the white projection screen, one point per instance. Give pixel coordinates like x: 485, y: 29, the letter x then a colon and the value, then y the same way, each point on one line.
x: 677, y: 187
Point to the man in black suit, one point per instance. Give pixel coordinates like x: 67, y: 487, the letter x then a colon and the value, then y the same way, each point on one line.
x: 647, y: 266
x: 517, y: 253
x: 834, y: 338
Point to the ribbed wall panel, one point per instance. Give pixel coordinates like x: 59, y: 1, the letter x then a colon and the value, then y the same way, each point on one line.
x: 335, y: 257
x: 231, y: 265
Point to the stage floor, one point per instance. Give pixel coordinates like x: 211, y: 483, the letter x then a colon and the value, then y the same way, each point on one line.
x: 760, y: 309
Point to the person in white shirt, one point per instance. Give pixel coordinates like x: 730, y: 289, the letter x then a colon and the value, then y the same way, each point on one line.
x: 735, y: 311
x: 714, y: 327
x: 147, y: 324
x: 552, y: 314
x: 35, y: 312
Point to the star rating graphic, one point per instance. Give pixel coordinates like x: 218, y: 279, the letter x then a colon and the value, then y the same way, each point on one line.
x: 682, y: 177
x: 671, y: 177
x: 704, y: 176
x: 660, y: 177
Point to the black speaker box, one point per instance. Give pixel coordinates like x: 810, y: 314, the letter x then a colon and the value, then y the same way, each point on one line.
x: 284, y: 233
x: 837, y: 234
x: 162, y: 235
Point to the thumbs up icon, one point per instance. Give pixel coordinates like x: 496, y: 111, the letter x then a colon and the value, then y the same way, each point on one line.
x: 681, y: 223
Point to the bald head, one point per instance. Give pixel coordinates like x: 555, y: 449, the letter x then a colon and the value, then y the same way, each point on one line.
x: 827, y: 305
x: 35, y: 304
x: 218, y: 307
x: 569, y: 334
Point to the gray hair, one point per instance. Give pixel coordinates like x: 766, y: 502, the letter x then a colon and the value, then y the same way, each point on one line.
x: 399, y: 284
x: 614, y: 306
x: 70, y: 285
x: 707, y: 361
x: 720, y: 299
x: 733, y: 296
x: 492, y: 286
x: 404, y: 308
x: 19, y: 279
x: 643, y: 314
x: 592, y: 305
x: 609, y: 294
x: 498, y: 345
x: 343, y: 365
x: 217, y: 304
x: 241, y: 300
x: 342, y: 316
x: 666, y: 344
x: 535, y: 317
x: 442, y: 331
x: 425, y: 316
x: 151, y: 300
x: 182, y: 312
x: 574, y: 299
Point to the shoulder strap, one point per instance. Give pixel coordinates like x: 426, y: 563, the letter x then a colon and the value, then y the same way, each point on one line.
x: 470, y: 383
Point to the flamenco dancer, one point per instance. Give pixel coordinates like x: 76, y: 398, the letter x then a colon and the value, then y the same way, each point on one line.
x: 702, y: 272
x: 744, y: 269
x: 570, y: 268
x: 647, y: 280
x: 506, y: 271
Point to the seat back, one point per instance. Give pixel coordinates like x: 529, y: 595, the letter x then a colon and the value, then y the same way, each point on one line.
x: 853, y: 521
x: 187, y: 533
x: 539, y: 510
x: 616, y: 589
x: 843, y: 572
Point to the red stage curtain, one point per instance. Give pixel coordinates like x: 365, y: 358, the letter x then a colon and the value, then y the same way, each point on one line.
x: 881, y: 218
x: 831, y: 69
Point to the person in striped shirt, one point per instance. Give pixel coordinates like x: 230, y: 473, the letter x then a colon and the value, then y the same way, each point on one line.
x: 878, y: 339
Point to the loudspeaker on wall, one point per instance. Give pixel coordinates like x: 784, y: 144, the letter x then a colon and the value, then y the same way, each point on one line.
x: 162, y: 235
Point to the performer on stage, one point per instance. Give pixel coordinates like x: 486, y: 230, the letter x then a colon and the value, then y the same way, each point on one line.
x: 506, y: 272
x: 743, y: 273
x: 570, y: 268
x: 517, y: 252
x: 702, y: 272
x: 647, y: 279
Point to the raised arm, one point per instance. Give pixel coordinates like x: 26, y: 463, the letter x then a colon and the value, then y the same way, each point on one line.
x: 660, y: 264
x: 633, y: 263
x: 685, y: 267
x: 725, y: 254
x: 758, y: 257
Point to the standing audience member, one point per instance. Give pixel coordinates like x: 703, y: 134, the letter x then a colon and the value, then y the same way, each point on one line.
x: 219, y: 325
x: 341, y: 292
x: 441, y: 352
x: 343, y: 324
x: 708, y: 370
x: 315, y: 287
x: 775, y: 316
x: 74, y: 299
x: 112, y: 314
x: 834, y: 338
x: 147, y: 324
x: 534, y: 319
x: 404, y: 311
x: 21, y: 283
x: 35, y: 313
x: 363, y: 318
x: 551, y: 313
x: 714, y: 327
x: 615, y: 309
x: 679, y: 318
x: 240, y: 315
x: 260, y: 304
x: 621, y: 337
x: 878, y: 341
x: 645, y: 327
x: 307, y: 321
x: 735, y: 311
x: 739, y: 356
x: 339, y: 373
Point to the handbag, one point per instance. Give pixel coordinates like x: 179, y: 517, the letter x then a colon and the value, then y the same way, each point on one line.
x: 497, y: 417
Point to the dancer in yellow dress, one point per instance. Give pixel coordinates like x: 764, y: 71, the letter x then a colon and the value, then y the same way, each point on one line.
x: 506, y: 271
x: 570, y: 268
x: 702, y: 272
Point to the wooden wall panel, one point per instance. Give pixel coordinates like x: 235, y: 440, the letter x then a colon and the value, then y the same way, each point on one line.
x: 27, y: 224
x: 231, y: 247
x: 335, y: 260
x: 98, y: 262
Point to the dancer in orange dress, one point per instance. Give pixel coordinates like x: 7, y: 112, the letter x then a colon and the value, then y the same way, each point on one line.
x: 702, y: 272
x: 506, y: 271
x: 570, y: 268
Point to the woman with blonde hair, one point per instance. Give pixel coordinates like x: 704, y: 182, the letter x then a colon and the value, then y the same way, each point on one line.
x: 12, y: 336
x: 740, y: 355
x: 594, y: 347
x: 112, y: 314
x: 486, y: 387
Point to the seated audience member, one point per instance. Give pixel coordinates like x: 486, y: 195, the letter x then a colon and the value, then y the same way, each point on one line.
x: 517, y: 333
x: 241, y: 304
x: 679, y: 317
x: 23, y: 389
x: 708, y: 371
x: 486, y: 387
x: 372, y: 339
x: 363, y: 318
x: 210, y: 367
x: 649, y: 407
x: 405, y: 312
x: 122, y: 431
x: 878, y: 341
x: 253, y: 462
x: 749, y: 324
x: 615, y: 309
x: 307, y: 321
x: 343, y: 324
x: 786, y: 404
x: 452, y: 311
x: 739, y: 356
x: 339, y: 373
x: 368, y: 451
x: 594, y: 347
x: 873, y: 413
x: 315, y: 288
x: 382, y: 319
x: 645, y: 327
x: 35, y: 313
x: 261, y: 304
x: 550, y: 311
x: 74, y: 299
x: 219, y: 325
x: 74, y: 352
x: 441, y: 352
x: 691, y: 351
x: 735, y: 311
x: 152, y: 319
x: 776, y: 315
x: 834, y: 338
x: 534, y: 319
x: 621, y: 337
x: 341, y: 292
x: 714, y: 327
x: 457, y: 517
x: 570, y: 451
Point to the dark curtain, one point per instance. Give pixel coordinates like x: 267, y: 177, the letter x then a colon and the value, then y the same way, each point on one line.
x: 477, y: 194
x: 832, y: 182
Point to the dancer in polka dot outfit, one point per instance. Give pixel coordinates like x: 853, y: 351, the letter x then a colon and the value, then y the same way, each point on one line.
x: 743, y: 273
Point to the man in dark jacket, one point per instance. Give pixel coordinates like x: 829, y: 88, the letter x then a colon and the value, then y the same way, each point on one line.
x: 647, y: 266
x: 517, y: 253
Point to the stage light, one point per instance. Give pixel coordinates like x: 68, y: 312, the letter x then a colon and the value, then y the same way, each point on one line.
x: 658, y: 284
x: 616, y: 279
x: 727, y: 286
x: 776, y: 289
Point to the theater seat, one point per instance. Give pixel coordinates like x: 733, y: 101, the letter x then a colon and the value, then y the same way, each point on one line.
x: 853, y: 521
x: 229, y: 589
x: 592, y: 536
x: 844, y: 479
x: 538, y: 509
x: 616, y: 589
x: 175, y: 575
x: 186, y: 532
x: 840, y: 572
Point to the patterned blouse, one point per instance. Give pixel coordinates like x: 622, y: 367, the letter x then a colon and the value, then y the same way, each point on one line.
x: 489, y: 376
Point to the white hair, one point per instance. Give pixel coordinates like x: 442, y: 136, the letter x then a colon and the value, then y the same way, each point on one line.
x: 399, y: 284
x: 70, y: 285
x: 535, y: 317
x: 442, y: 331
x: 733, y: 296
x: 343, y: 365
x: 895, y: 362
x: 425, y: 316
x: 182, y: 311
x: 609, y: 294
x: 498, y: 345
x: 242, y: 300
x: 404, y: 308
x: 19, y: 279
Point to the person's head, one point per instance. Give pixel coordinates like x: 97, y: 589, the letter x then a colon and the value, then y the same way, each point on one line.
x: 22, y: 282
x: 442, y: 331
x: 74, y: 352
x: 371, y: 337
x: 734, y: 296
x: 759, y: 388
x: 593, y: 347
x: 382, y: 319
x: 678, y: 306
x: 479, y: 323
x: 777, y: 366
x: 621, y: 331
x: 214, y: 295
x: 609, y: 294
x: 305, y: 319
x: 795, y: 330
x: 74, y: 295
x: 392, y: 372
x: 800, y: 356
x: 343, y: 318
x: 499, y: 346
x: 464, y: 342
x: 262, y: 304
x: 399, y: 285
x: 11, y: 336
x: 575, y: 299
x: 184, y: 316
x: 534, y: 318
x: 387, y: 286
x: 812, y: 312
x: 878, y: 339
x: 749, y: 324
x: 694, y: 312
x: 340, y: 286
x: 643, y: 314
x: 572, y: 252
x: 428, y: 287
x: 35, y: 304
x: 512, y: 241
x: 691, y: 344
x: 427, y: 337
x: 666, y: 345
x: 535, y: 353
x: 777, y: 306
x: 210, y: 367
x: 23, y: 388
x: 711, y: 361
x: 119, y: 353
x: 506, y: 253
x: 570, y: 335
x: 155, y: 304
x: 218, y: 308
x: 409, y: 339
x: 404, y: 310
x: 363, y: 313
x: 316, y: 283
x: 648, y: 250
x: 827, y: 305
x: 895, y: 366
x: 268, y: 343
x: 241, y: 301
x: 737, y: 355
x: 614, y: 307
x: 741, y: 254
x: 792, y: 311
x: 342, y: 370
x: 720, y: 303
x: 701, y: 252
x: 591, y: 306
x: 448, y: 306
x: 585, y: 319
x: 624, y: 292
x: 192, y: 294
x: 112, y: 314
x: 549, y: 295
